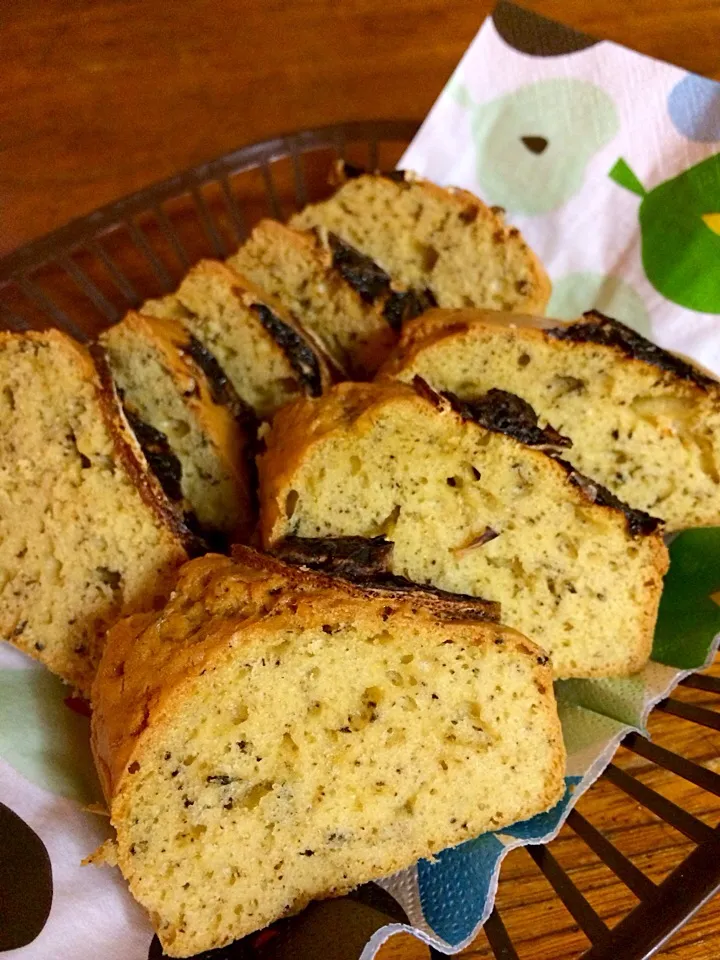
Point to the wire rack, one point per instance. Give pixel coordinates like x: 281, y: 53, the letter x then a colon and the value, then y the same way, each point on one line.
x: 84, y: 276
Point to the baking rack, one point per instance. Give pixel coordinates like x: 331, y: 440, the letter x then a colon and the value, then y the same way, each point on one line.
x: 84, y: 276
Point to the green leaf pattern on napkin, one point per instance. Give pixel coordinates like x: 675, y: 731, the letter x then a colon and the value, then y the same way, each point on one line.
x: 42, y: 737
x: 680, y: 225
x: 533, y: 145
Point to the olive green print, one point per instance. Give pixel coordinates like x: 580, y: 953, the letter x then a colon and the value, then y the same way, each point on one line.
x: 533, y: 145
x: 680, y: 227
x: 575, y: 293
x: 620, y: 698
x: 42, y: 738
x: 689, y: 613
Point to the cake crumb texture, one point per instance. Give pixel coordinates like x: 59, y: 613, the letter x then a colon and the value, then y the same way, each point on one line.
x: 442, y: 239
x: 248, y: 770
x: 85, y: 531
x: 643, y: 423
x: 469, y: 510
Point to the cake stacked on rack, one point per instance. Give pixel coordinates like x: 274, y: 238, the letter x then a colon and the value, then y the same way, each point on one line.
x: 248, y: 770
x: 476, y: 501
x: 86, y: 532
x: 474, y: 488
x: 173, y: 386
x: 265, y: 352
x: 643, y: 422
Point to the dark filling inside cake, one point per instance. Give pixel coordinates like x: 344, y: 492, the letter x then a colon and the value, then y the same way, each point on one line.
x: 365, y: 561
x: 167, y: 468
x: 604, y: 330
x: 221, y: 389
x: 499, y: 411
x: 299, y: 353
x: 367, y: 557
x: 403, y: 306
x: 639, y: 523
x: 162, y: 461
x: 361, y: 272
x: 507, y: 413
x: 351, y: 171
x: 370, y: 281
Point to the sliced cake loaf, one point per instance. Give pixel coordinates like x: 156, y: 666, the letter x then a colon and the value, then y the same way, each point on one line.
x: 440, y: 239
x: 313, y: 277
x: 249, y: 771
x: 643, y: 422
x: 267, y: 356
x: 86, y: 533
x: 473, y: 505
x: 174, y: 385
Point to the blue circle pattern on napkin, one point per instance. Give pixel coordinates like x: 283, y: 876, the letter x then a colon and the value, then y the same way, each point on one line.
x: 694, y: 108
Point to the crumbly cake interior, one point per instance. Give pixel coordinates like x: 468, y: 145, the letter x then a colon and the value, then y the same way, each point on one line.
x: 284, y: 776
x: 425, y: 237
x: 78, y: 545
x: 292, y: 266
x: 475, y: 512
x: 215, y: 312
x: 208, y: 483
x: 651, y: 439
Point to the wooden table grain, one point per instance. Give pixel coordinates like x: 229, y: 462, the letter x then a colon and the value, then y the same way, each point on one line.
x: 100, y: 97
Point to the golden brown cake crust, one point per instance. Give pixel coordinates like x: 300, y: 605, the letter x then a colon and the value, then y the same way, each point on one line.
x: 469, y: 209
x: 250, y: 294
x: 353, y: 406
x: 663, y: 473
x: 91, y: 365
x: 146, y: 663
x: 224, y: 420
x: 154, y: 664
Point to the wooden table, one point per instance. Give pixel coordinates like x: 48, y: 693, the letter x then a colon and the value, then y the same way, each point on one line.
x: 101, y: 97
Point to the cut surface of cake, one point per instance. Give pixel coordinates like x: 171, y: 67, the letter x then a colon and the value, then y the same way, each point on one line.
x: 248, y: 770
x: 86, y: 533
x: 427, y: 237
x: 473, y: 505
x: 644, y: 422
x: 334, y: 291
x: 267, y: 356
x: 175, y: 386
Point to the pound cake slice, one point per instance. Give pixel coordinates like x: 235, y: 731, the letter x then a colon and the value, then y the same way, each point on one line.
x: 427, y: 237
x: 267, y: 356
x: 175, y: 386
x: 86, y: 533
x: 474, y: 504
x: 342, y: 307
x: 249, y: 771
x: 644, y: 422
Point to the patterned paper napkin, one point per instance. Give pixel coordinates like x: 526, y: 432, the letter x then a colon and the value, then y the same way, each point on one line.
x: 608, y: 162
